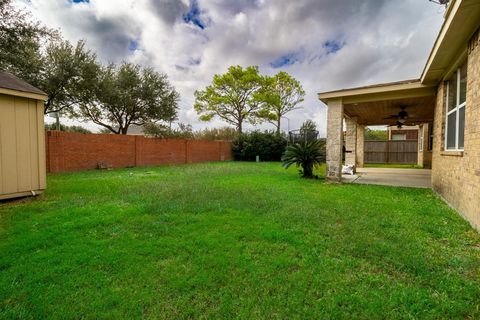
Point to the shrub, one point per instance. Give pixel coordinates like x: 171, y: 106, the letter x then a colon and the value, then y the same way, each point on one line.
x: 268, y: 145
x: 53, y: 126
x: 306, y: 154
x: 222, y: 133
x: 377, y: 135
x: 157, y: 130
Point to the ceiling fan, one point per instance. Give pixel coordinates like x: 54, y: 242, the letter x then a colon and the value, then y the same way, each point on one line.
x: 401, y: 117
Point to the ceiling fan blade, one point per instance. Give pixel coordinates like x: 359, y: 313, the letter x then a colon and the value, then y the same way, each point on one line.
x: 392, y: 116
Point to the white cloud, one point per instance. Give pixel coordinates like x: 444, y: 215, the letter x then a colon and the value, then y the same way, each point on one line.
x: 379, y: 40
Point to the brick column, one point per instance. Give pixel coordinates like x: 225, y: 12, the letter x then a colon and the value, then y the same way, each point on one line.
x: 420, y: 146
x: 351, y: 141
x: 424, y: 156
x: 334, y: 140
x: 360, y: 145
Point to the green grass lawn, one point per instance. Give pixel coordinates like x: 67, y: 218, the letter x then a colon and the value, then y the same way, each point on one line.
x: 227, y: 240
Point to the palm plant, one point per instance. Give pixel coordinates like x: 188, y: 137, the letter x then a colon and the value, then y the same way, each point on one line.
x: 306, y: 154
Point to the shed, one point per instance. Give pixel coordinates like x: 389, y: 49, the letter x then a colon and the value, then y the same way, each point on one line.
x: 22, y: 138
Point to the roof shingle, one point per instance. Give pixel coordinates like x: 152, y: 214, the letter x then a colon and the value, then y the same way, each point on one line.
x: 9, y: 81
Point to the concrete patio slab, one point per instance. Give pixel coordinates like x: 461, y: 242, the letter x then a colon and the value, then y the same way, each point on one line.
x: 416, y: 178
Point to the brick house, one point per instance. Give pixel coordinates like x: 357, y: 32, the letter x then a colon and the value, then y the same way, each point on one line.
x: 403, y: 133
x: 446, y: 96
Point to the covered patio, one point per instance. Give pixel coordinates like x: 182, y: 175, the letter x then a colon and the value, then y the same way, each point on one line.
x: 396, y: 103
x: 414, y: 178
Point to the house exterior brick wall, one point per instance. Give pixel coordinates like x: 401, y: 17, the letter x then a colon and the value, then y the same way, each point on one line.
x: 71, y: 151
x: 409, y: 134
x: 456, y: 175
x: 424, y: 155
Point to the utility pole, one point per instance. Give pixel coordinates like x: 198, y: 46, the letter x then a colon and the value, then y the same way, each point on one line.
x: 57, y: 120
x: 288, y: 130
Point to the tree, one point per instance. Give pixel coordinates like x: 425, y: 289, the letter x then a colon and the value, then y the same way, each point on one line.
x: 306, y: 154
x: 279, y: 95
x: 21, y: 40
x: 67, y: 73
x: 231, y: 97
x: 223, y: 133
x: 80, y: 129
x: 308, y: 125
x: 308, y: 132
x: 127, y: 95
x: 38, y: 55
x: 379, y: 135
x: 184, y: 131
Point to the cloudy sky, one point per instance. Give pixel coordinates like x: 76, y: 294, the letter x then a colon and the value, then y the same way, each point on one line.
x: 326, y: 44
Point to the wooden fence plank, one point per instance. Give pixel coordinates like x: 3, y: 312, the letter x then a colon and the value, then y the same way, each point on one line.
x: 398, y: 152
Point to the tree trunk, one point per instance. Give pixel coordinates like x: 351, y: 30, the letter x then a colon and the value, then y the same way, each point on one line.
x: 124, y: 130
x: 307, y: 170
x: 239, y: 127
x: 278, y: 126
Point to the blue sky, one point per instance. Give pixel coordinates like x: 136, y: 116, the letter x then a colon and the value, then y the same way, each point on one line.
x: 326, y: 44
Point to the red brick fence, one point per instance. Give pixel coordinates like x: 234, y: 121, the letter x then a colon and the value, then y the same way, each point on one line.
x: 71, y: 151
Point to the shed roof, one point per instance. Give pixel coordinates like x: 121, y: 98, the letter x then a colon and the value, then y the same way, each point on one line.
x: 16, y: 86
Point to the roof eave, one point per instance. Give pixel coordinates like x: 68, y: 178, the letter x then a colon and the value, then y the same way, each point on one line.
x: 393, y: 90
x: 461, y: 21
x: 24, y: 94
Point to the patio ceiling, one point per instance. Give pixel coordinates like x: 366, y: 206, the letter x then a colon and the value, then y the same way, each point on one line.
x: 372, y: 105
x: 420, y: 110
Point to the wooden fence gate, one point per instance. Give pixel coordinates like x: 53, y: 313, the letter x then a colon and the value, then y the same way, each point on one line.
x: 391, y: 151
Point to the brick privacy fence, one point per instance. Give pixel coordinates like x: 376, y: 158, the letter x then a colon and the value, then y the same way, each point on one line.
x: 71, y: 151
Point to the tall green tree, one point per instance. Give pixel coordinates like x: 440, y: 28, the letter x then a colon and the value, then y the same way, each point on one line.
x: 308, y: 125
x: 231, y: 97
x: 37, y: 54
x: 279, y: 95
x: 127, y: 95
x: 21, y: 41
x: 67, y: 75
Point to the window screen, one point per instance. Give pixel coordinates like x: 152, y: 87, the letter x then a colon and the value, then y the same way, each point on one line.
x: 451, y: 132
x: 452, y: 92
x: 463, y: 84
x: 455, y: 99
x: 461, y: 127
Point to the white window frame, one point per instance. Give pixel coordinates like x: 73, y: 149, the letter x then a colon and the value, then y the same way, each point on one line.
x: 399, y: 134
x: 456, y: 110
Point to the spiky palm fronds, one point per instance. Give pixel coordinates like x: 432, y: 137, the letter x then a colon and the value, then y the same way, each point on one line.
x: 307, y: 155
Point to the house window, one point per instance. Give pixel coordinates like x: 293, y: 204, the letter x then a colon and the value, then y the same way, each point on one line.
x: 455, y: 109
x: 399, y: 136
